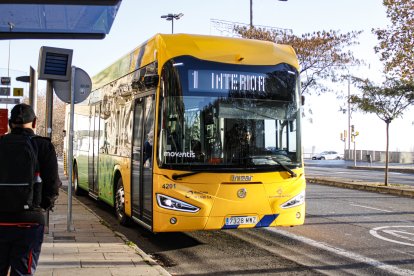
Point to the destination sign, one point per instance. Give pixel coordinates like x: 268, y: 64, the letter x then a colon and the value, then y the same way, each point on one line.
x: 225, y: 81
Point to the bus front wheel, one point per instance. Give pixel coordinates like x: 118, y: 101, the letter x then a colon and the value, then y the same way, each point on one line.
x: 120, y: 204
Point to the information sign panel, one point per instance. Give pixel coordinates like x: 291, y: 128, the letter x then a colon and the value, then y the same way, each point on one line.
x: 9, y: 101
x: 4, y: 91
x: 18, y: 92
x: 54, y: 63
x: 5, y: 80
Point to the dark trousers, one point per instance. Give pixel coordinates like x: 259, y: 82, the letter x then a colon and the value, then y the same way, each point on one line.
x: 20, y: 249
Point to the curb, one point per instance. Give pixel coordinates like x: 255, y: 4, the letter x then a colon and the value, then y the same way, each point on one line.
x: 144, y: 255
x: 399, y: 190
x: 381, y: 169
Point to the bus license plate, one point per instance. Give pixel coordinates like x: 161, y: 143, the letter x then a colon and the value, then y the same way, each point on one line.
x: 241, y: 220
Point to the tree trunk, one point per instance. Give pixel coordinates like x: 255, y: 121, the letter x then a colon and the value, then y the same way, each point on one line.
x: 386, y: 152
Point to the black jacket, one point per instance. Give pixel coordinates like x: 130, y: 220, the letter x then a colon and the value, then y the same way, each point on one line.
x: 50, y: 180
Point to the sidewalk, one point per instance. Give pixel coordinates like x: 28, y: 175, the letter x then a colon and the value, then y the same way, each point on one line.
x: 393, y: 189
x: 379, y: 187
x: 391, y: 168
x: 91, y: 248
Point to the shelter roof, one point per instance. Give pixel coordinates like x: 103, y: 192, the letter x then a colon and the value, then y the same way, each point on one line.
x: 57, y: 19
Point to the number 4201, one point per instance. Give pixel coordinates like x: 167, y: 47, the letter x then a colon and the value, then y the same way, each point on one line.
x: 168, y: 186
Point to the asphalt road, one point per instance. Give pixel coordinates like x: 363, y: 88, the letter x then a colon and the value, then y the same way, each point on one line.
x: 371, y: 231
x: 208, y: 252
x: 347, y: 232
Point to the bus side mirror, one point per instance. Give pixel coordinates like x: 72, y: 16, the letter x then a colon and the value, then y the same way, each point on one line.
x: 302, y: 98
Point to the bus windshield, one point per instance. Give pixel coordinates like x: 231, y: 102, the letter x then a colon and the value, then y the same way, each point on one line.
x: 216, y: 116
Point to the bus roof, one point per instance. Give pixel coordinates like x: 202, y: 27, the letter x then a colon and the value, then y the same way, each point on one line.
x: 163, y: 47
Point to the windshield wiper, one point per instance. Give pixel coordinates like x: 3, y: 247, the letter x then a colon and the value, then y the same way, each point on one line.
x: 292, y: 173
x: 179, y: 176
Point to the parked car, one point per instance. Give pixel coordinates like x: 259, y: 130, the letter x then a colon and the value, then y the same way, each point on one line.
x: 328, y: 155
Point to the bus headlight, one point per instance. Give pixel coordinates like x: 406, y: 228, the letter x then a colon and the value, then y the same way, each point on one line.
x: 295, y: 201
x: 175, y: 204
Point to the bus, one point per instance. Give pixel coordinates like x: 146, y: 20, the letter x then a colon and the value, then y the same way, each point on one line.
x: 194, y: 132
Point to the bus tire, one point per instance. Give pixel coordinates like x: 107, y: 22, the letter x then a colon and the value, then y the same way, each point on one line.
x: 78, y: 191
x: 122, y: 218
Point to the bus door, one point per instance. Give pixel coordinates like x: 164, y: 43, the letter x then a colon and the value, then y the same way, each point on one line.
x: 142, y: 156
x: 93, y: 149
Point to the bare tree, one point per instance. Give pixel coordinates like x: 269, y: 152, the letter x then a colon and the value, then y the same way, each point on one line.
x: 388, y: 102
x: 320, y: 53
x: 397, y: 40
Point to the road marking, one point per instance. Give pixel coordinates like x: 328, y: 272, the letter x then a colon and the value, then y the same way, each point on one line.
x: 395, y: 234
x: 382, y: 210
x: 403, y: 252
x: 344, y: 253
x: 367, y: 207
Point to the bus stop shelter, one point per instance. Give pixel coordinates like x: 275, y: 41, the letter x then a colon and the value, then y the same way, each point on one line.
x: 56, y: 19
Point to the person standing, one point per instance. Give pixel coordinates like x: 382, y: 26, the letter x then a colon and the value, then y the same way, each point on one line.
x: 21, y: 232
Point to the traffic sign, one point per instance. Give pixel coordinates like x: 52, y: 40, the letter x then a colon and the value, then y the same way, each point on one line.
x: 4, y: 91
x: 5, y: 80
x: 18, y: 92
x: 9, y: 101
x: 82, y: 86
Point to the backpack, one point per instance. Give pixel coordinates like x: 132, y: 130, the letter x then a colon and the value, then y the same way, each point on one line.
x: 18, y: 165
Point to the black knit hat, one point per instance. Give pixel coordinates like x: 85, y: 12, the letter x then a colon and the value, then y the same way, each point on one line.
x: 22, y: 114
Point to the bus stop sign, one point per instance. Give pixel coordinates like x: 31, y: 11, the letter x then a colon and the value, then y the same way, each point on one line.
x: 82, y: 86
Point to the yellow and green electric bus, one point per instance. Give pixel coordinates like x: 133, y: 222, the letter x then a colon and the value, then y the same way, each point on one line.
x: 193, y: 132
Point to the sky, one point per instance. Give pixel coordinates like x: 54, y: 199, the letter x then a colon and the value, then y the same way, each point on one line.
x: 137, y: 21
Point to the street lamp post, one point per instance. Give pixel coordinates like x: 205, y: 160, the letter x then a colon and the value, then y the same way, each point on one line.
x: 251, y: 12
x: 348, y: 135
x: 171, y: 17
